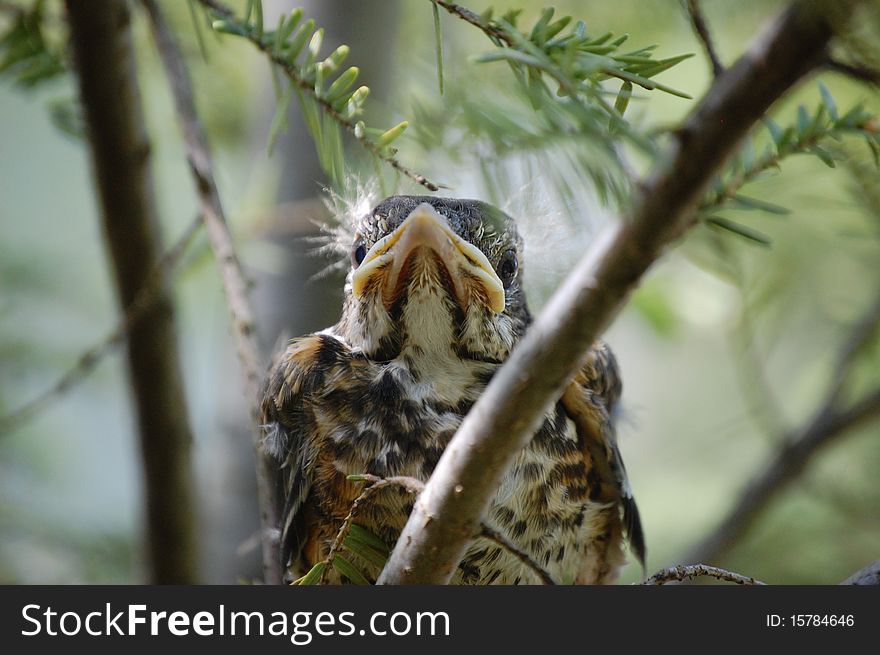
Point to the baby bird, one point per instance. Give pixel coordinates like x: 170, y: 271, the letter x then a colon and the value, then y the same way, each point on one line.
x: 434, y: 303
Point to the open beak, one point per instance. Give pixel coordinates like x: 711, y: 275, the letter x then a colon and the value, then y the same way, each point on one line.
x: 426, y: 228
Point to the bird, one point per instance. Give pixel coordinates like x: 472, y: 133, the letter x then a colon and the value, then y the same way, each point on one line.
x: 433, y: 305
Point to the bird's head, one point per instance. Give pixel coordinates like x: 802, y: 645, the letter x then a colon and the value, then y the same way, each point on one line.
x: 435, y: 275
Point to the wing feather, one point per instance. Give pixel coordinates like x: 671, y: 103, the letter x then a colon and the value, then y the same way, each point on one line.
x: 290, y: 435
x: 591, y: 401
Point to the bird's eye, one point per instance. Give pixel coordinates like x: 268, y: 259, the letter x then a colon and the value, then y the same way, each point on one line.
x: 508, y: 267
x: 357, y: 254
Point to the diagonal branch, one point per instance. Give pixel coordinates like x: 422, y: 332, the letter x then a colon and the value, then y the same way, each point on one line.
x: 234, y: 283
x: 786, y: 464
x: 857, y: 72
x: 701, y: 29
x: 512, y: 407
x: 88, y: 361
x: 830, y: 422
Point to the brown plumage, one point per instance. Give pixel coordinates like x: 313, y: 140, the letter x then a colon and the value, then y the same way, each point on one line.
x: 433, y: 305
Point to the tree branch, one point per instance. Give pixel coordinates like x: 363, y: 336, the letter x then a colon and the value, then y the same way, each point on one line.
x: 870, y: 575
x: 88, y: 361
x: 234, y: 284
x: 785, y: 465
x: 701, y: 29
x: 512, y: 407
x: 104, y: 56
x: 684, y: 572
x: 854, y: 71
x: 791, y: 458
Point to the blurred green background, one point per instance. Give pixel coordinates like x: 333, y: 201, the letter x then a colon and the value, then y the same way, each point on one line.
x: 725, y: 348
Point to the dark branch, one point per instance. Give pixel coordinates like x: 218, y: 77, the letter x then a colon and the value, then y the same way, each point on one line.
x: 144, y: 300
x: 102, y: 46
x: 511, y: 409
x: 234, y: 283
x: 701, y: 29
x: 684, y: 572
x: 786, y: 465
x: 854, y: 71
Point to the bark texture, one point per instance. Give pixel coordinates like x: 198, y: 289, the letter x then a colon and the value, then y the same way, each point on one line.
x: 104, y: 57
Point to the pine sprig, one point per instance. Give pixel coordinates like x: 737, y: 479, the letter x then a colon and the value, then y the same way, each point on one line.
x: 327, y: 94
x: 561, y: 71
x: 563, y: 50
x: 492, y: 135
x: 812, y: 133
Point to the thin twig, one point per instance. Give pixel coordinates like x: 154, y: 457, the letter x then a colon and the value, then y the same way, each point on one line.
x: 234, y: 283
x: 497, y: 35
x: 501, y: 37
x: 701, y: 29
x: 309, y: 89
x: 768, y: 161
x: 90, y: 359
x: 514, y: 403
x: 855, y: 71
x: 374, y: 485
x: 684, y: 572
